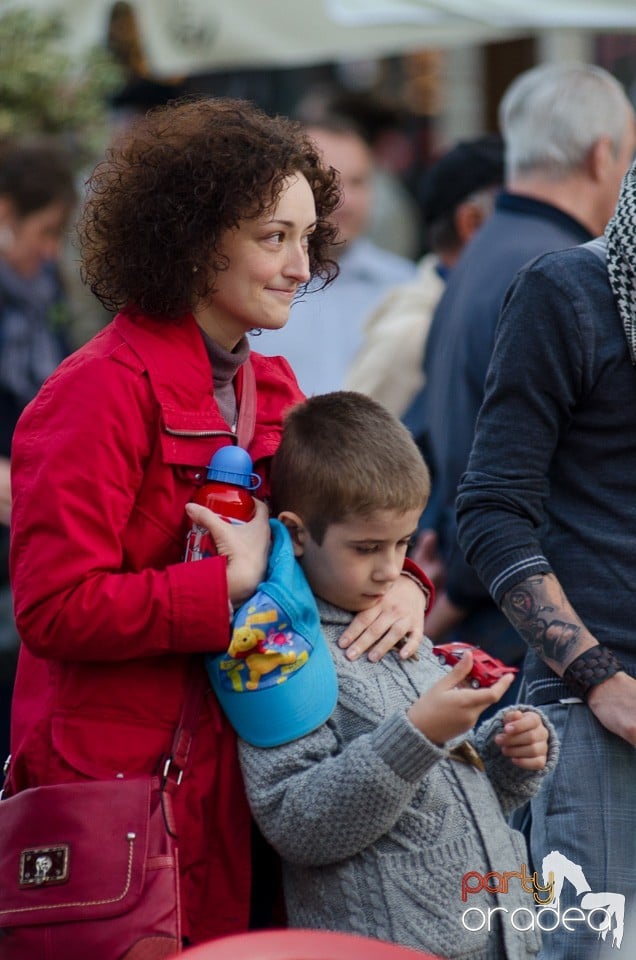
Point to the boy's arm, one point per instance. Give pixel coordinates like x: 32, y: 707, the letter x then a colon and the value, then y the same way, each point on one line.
x: 317, y: 806
x: 513, y: 784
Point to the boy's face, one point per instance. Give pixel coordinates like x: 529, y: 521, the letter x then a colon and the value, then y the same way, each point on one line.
x: 358, y: 560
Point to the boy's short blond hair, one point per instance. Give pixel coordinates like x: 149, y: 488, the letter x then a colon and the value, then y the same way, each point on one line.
x: 344, y: 454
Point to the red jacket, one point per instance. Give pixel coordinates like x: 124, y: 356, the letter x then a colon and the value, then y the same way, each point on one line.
x: 103, y: 461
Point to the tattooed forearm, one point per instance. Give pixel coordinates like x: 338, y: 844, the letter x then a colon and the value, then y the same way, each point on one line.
x: 540, y: 612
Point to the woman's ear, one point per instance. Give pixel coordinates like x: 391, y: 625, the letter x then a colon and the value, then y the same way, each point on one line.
x: 297, y: 530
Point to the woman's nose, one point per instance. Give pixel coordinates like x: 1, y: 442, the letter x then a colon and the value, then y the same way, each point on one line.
x: 297, y: 265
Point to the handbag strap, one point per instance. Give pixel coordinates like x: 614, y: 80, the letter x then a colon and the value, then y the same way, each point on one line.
x: 247, y: 405
x: 175, y: 763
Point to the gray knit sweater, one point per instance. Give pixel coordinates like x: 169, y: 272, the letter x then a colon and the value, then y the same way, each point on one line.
x: 377, y: 826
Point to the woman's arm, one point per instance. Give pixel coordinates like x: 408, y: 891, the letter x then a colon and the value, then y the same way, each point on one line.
x: 80, y: 459
x: 397, y: 619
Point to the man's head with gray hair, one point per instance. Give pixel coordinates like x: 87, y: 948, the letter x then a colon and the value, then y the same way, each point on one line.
x: 552, y: 115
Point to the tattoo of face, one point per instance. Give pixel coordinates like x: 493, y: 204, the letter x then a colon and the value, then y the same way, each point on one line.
x: 538, y: 622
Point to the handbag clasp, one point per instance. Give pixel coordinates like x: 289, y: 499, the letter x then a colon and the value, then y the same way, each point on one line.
x: 44, y: 865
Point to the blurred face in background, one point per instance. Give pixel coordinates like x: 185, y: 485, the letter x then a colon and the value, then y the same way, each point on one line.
x: 351, y: 157
x: 28, y: 242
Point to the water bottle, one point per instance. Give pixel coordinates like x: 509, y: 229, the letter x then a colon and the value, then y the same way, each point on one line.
x: 226, y: 493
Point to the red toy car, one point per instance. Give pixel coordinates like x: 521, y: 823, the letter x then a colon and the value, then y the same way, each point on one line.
x: 486, y: 669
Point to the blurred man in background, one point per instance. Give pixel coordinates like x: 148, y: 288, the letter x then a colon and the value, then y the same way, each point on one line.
x: 458, y: 193
x: 326, y: 325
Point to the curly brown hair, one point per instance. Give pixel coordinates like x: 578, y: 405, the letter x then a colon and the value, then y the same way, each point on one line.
x: 159, y: 203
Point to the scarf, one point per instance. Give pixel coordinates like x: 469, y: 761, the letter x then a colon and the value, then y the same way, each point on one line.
x: 620, y: 235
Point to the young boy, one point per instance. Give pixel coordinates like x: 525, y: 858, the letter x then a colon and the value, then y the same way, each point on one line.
x: 389, y: 819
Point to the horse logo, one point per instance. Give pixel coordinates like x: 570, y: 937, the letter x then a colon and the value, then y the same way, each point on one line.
x: 612, y: 904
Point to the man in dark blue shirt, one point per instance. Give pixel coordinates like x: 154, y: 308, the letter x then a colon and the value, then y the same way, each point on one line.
x: 546, y: 514
x: 568, y: 139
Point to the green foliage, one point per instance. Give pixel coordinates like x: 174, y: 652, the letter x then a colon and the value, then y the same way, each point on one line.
x: 44, y: 91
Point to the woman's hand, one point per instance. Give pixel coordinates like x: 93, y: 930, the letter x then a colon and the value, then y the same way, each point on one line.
x: 246, y: 546
x: 524, y: 739
x: 398, y: 616
x: 451, y: 707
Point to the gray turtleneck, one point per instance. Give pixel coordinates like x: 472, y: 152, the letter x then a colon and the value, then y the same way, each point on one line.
x: 225, y: 364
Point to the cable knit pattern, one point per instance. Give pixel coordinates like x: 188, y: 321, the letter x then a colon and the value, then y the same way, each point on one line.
x: 377, y: 826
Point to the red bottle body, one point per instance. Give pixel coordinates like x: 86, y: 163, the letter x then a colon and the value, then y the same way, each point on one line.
x: 231, y: 502
x: 226, y: 493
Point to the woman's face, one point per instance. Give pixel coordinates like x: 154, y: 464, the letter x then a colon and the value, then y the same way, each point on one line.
x: 27, y: 243
x: 268, y: 261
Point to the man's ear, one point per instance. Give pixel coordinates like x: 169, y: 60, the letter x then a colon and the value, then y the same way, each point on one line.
x: 297, y: 530
x: 468, y: 217
x: 599, y: 158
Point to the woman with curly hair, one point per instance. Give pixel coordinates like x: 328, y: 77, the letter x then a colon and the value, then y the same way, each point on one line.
x: 201, y: 224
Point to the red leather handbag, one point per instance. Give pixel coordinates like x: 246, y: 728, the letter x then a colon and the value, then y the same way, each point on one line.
x: 89, y: 870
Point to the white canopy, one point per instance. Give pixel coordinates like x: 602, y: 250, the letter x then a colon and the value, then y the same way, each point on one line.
x: 194, y: 36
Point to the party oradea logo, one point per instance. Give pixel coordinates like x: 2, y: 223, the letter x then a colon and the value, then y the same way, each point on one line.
x: 602, y: 912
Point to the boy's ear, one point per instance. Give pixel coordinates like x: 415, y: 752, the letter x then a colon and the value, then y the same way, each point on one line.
x: 296, y: 529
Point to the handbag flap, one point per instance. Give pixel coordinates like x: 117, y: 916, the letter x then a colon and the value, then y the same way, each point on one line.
x: 74, y: 851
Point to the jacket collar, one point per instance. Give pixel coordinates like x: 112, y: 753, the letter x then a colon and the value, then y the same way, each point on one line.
x: 183, y: 388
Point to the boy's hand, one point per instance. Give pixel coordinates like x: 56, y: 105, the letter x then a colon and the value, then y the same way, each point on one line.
x: 397, y: 616
x: 451, y: 707
x: 524, y: 739
x: 246, y: 546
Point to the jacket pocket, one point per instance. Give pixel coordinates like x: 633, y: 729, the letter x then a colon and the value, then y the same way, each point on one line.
x: 101, y: 749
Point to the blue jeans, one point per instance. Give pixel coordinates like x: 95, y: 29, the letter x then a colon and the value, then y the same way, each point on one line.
x: 586, y: 812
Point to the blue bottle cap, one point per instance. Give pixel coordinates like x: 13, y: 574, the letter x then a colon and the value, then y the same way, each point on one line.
x: 233, y: 465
